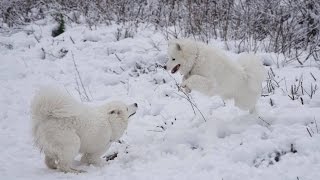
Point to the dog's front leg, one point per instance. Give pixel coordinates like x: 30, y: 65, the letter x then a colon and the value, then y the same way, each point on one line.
x: 198, y: 83
x: 185, y: 77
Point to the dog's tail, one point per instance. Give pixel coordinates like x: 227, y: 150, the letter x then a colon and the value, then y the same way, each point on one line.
x: 255, y: 71
x: 49, y: 103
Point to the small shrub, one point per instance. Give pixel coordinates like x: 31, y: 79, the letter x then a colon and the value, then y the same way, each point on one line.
x: 61, y: 27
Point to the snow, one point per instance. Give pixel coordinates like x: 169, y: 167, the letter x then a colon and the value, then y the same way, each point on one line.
x: 165, y: 139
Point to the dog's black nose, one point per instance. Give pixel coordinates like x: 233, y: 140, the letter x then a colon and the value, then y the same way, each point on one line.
x: 165, y: 67
x: 135, y: 104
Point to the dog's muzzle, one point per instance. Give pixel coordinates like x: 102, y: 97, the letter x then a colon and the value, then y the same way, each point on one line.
x: 132, y: 109
x: 175, y: 69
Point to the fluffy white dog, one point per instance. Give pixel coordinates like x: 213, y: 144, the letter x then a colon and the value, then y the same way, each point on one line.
x: 62, y: 128
x: 208, y: 70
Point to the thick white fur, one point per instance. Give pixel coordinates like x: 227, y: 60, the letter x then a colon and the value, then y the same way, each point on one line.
x: 208, y: 70
x: 62, y: 128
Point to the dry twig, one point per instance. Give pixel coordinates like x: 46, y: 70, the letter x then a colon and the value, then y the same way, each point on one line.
x: 87, y: 98
x: 186, y: 96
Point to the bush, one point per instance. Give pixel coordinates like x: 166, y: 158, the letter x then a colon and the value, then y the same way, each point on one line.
x: 285, y: 26
x: 61, y: 27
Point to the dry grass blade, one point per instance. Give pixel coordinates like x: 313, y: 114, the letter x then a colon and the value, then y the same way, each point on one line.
x: 309, y: 131
x: 118, y: 58
x: 268, y: 125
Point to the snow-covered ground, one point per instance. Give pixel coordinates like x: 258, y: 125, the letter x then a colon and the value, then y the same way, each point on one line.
x: 165, y: 139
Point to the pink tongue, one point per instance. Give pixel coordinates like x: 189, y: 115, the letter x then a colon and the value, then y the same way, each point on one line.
x: 175, y: 69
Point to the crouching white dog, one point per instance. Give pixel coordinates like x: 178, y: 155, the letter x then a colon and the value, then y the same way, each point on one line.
x: 208, y: 70
x: 62, y: 128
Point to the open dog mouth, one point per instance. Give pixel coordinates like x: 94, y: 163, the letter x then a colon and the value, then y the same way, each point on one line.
x: 132, y: 114
x: 175, y: 69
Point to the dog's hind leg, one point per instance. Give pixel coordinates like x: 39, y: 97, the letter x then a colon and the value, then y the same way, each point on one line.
x: 246, y: 103
x: 65, y: 146
x: 253, y: 110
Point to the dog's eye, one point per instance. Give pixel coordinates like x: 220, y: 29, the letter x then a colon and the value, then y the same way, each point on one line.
x: 173, y: 59
x: 112, y: 112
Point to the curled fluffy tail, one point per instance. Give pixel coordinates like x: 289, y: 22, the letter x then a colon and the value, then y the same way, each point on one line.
x: 51, y: 103
x: 254, y: 70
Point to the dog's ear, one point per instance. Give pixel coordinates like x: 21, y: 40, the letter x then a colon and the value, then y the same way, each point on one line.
x: 178, y: 47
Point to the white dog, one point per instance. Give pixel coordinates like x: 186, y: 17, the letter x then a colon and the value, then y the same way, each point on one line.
x: 63, y: 128
x: 208, y: 70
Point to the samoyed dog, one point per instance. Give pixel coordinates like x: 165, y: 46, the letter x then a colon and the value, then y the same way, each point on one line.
x: 208, y: 70
x: 62, y: 128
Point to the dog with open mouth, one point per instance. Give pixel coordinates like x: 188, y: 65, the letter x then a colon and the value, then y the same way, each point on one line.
x: 63, y: 128
x: 208, y: 70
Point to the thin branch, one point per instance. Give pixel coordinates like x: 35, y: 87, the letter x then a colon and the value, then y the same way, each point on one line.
x: 316, y: 125
x: 80, y: 79
x: 308, y: 131
x: 72, y: 40
x: 187, y: 97
x: 117, y: 57
x: 313, y: 76
x: 264, y: 121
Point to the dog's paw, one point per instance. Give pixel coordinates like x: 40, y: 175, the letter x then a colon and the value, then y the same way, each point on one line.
x: 98, y: 162
x: 187, y: 90
x: 71, y: 170
x: 77, y: 171
x: 185, y: 87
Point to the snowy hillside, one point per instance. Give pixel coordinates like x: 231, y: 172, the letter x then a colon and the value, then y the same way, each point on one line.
x: 165, y: 139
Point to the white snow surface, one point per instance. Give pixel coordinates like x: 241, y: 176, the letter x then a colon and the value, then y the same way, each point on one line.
x: 165, y: 139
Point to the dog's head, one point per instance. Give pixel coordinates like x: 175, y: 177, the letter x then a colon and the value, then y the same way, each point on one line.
x: 118, y: 114
x: 181, y: 56
x: 120, y: 110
